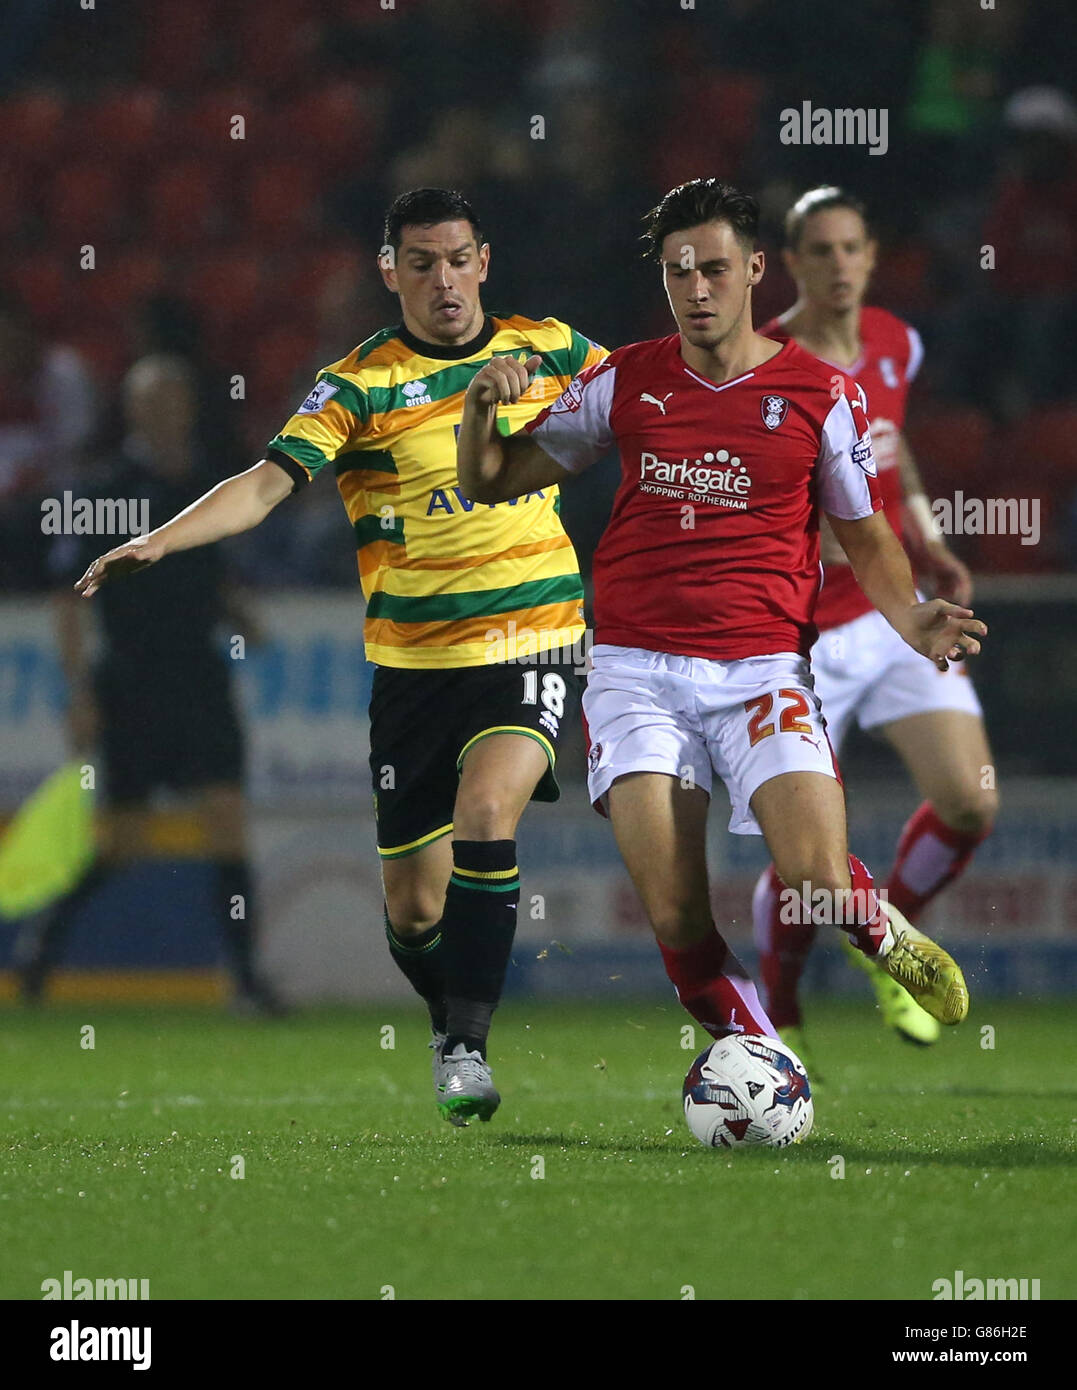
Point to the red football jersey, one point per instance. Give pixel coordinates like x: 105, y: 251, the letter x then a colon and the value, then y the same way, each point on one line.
x: 712, y: 549
x: 890, y: 358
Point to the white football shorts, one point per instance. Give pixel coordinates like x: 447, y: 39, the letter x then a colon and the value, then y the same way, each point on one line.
x: 864, y: 671
x: 746, y: 721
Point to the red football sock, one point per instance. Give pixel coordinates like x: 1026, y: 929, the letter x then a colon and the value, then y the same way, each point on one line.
x: 929, y: 856
x: 864, y: 921
x: 715, y: 989
x: 783, y: 948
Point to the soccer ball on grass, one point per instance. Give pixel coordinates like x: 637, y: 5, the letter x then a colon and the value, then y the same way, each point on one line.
x: 748, y: 1089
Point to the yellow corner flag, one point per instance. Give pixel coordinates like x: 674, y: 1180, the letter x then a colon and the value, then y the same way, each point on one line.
x: 49, y: 844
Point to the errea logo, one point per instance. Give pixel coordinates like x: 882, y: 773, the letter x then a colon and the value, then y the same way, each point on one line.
x: 416, y: 393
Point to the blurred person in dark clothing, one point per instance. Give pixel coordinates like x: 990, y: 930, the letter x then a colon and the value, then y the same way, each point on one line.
x: 48, y: 410
x: 171, y: 326
x: 157, y: 704
x: 1011, y: 344
x: 951, y: 115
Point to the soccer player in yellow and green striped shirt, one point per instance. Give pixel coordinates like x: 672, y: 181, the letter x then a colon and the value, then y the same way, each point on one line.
x: 474, y: 612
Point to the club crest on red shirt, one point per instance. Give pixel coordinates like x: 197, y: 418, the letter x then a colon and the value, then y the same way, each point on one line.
x: 773, y: 410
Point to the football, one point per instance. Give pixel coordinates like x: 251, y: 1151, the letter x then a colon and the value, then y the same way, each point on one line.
x: 748, y: 1089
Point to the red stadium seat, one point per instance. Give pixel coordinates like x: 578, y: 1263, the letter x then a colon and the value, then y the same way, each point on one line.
x: 125, y: 124
x: 281, y: 366
x: 123, y: 279
x: 1008, y: 553
x: 713, y: 125
x: 86, y: 200
x: 104, y: 346
x: 317, y: 271
x: 726, y: 105
x: 228, y: 289
x: 14, y: 204
x: 902, y: 277
x: 275, y: 40
x: 1043, y: 446
x: 281, y: 203
x: 183, y: 206
x: 209, y: 122
x: 330, y: 127
x: 33, y: 124
x: 43, y: 282
x: 177, y: 42
x: 960, y: 451
x: 953, y: 446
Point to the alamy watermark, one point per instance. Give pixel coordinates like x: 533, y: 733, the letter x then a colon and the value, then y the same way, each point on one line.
x: 71, y: 1288
x: 988, y: 516
x: 828, y: 907
x: 966, y: 1289
x: 97, y: 516
x: 843, y: 125
x: 77, y: 1343
x: 524, y: 646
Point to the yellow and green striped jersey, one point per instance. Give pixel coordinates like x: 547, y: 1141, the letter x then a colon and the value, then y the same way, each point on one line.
x: 448, y: 582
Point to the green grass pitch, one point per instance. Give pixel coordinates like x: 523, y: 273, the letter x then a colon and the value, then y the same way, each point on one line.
x: 117, y: 1161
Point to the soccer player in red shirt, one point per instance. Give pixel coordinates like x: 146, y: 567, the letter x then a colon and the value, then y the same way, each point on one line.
x: 705, y: 582
x: 862, y: 669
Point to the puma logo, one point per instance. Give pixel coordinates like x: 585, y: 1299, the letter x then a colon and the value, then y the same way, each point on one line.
x: 653, y: 400
x: 813, y: 741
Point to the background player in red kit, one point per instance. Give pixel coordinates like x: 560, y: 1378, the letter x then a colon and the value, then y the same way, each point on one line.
x: 862, y: 669
x: 705, y: 582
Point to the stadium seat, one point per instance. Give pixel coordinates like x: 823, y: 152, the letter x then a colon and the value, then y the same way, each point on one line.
x: 902, y: 277
x: 183, y: 204
x: 227, y: 288
x: 14, y: 207
x: 281, y: 203
x: 122, y: 279
x: 1008, y: 554
x: 1045, y: 441
x: 712, y: 126
x: 124, y: 124
x: 726, y: 105
x: 960, y: 450
x: 207, y: 123
x: 33, y: 123
x: 177, y: 42
x: 274, y: 40
x: 281, y: 366
x: 104, y: 345
x: 86, y: 201
x: 953, y: 446
x: 330, y: 127
x: 319, y: 269
x: 42, y: 281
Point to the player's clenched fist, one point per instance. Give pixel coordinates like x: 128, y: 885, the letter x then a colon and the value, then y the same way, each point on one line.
x: 502, y: 381
x: 124, y: 559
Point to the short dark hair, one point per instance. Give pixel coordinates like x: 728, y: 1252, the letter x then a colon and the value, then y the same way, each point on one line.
x: 820, y: 199
x: 698, y: 201
x: 426, y: 207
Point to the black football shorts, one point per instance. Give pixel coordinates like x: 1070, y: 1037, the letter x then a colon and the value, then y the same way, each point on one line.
x: 423, y: 722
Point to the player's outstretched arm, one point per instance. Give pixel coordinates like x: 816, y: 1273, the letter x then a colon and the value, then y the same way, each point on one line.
x: 941, y: 631
x: 492, y: 467
x: 238, y: 504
